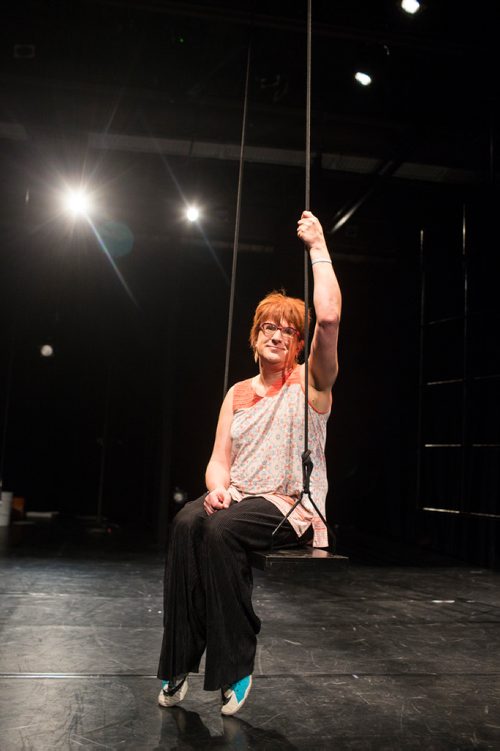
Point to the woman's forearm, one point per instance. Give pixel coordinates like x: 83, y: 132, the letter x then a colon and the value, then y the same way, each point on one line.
x: 326, y: 297
x: 216, y: 475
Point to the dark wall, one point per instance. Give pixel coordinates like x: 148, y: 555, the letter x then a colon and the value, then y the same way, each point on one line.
x: 137, y: 383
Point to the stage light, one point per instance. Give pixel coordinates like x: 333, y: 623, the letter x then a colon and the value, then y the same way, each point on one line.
x: 410, y: 6
x: 192, y: 214
x: 77, y: 202
x: 363, y: 78
x: 46, y: 350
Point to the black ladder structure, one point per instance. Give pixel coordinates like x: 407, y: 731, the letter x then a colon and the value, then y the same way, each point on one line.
x: 458, y: 459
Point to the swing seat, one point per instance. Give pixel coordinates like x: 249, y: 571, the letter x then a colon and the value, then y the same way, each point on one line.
x: 290, y: 559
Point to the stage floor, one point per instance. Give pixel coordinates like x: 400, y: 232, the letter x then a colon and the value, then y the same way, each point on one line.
x: 376, y: 657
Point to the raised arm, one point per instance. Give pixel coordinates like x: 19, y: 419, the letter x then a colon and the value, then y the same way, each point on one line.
x: 323, y: 359
x: 217, y: 475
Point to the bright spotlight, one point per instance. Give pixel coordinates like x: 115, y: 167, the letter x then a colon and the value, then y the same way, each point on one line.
x: 192, y: 214
x: 410, y: 6
x: 46, y: 350
x: 77, y: 202
x: 363, y: 78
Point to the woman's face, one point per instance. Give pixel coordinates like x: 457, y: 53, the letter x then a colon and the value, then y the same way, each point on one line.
x: 277, y: 343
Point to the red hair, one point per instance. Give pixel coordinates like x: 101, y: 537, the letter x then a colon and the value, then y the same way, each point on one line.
x: 277, y: 307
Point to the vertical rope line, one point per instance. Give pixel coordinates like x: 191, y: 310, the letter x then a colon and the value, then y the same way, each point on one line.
x: 465, y: 381
x: 307, y: 201
x: 236, y: 227
x: 421, y: 386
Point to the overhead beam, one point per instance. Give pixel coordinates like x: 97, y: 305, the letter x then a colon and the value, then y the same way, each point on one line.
x: 425, y: 43
x: 344, y: 163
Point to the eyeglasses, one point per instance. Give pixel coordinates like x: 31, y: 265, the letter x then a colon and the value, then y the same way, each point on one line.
x: 269, y: 329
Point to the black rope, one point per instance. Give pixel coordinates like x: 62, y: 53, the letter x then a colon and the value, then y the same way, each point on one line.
x: 237, y: 227
x: 306, y: 456
x: 307, y: 198
x: 307, y: 463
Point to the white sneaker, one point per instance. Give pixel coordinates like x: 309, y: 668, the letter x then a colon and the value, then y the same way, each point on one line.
x: 169, y: 697
x: 235, y: 696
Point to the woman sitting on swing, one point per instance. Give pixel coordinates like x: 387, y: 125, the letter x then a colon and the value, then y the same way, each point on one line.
x: 253, y: 477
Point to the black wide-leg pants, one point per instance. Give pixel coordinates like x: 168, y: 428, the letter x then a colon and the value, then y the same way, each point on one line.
x: 208, y: 588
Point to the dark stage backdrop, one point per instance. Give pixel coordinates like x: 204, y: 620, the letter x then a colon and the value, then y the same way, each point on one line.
x: 131, y: 397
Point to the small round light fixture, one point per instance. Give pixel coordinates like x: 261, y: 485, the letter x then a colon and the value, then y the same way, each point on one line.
x: 46, y: 350
x: 364, y: 79
x: 410, y: 6
x: 179, y: 496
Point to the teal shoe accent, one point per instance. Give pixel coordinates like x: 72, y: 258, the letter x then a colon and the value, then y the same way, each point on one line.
x: 236, y: 695
x: 169, y: 696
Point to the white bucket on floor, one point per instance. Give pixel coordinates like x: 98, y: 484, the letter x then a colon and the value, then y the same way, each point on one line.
x: 5, y: 505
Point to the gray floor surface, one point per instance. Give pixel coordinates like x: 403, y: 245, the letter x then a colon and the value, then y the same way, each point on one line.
x: 370, y: 658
